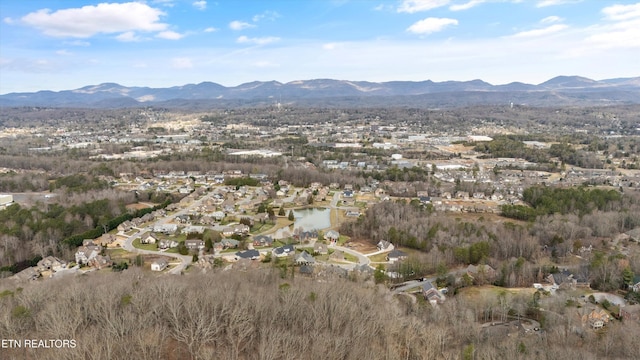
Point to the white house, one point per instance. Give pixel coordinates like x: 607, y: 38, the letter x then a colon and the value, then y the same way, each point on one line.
x: 159, y: 265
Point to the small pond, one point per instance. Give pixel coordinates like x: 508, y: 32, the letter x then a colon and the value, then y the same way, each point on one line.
x: 312, y: 218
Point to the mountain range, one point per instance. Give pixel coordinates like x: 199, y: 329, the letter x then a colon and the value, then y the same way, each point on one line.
x: 561, y: 90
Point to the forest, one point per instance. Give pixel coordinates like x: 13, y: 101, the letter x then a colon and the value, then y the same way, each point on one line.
x: 260, y: 315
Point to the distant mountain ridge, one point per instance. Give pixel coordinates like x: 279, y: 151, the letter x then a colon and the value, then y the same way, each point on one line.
x: 564, y: 89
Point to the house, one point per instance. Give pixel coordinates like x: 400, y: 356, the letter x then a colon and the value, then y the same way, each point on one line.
x: 432, y: 294
x: 105, y: 240
x: 194, y: 244
x: 320, y: 248
x: 100, y: 262
x: 30, y: 273
x: 396, y: 255
x: 462, y: 195
x: 304, y: 235
x: 379, y: 193
x: 51, y: 263
x: 167, y: 244
x: 262, y: 240
x: 125, y: 226
x: 226, y: 244
x: 86, y: 253
x: 248, y: 254
x: 364, y: 269
x: 282, y: 251
x: 241, y: 229
x: 636, y: 284
x: 630, y: 312
x: 332, y: 236
x: 567, y: 280
x: 596, y: 319
x: 165, y: 228
x: 384, y: 245
x: 193, y: 229
x: 304, y: 258
x: 481, y: 273
x: 218, y: 215
x: 148, y: 238
x: 159, y: 265
x: 337, y: 256
x: 183, y: 219
x: 306, y: 270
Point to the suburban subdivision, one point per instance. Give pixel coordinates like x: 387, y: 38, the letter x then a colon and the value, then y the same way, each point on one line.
x: 413, y: 232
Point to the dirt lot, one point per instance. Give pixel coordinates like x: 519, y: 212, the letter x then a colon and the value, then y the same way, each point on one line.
x: 361, y: 246
x: 138, y: 206
x: 488, y: 291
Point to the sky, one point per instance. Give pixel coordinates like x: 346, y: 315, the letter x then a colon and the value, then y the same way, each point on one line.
x: 64, y: 45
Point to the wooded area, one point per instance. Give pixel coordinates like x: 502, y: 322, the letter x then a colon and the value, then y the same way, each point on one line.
x: 258, y: 315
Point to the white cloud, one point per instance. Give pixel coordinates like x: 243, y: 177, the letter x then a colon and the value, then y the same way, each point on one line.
x: 63, y: 52
x: 105, y: 18
x: 258, y: 41
x: 210, y: 29
x: 169, y: 35
x: 413, y: 6
x: 240, y: 25
x: 181, y: 63
x: 9, y: 21
x: 129, y: 36
x: 466, y: 6
x: 431, y: 25
x: 540, y: 32
x: 200, y: 5
x: 267, y: 15
x: 382, y: 7
x: 622, y: 12
x: 545, y: 3
x: 551, y: 20
x: 622, y: 30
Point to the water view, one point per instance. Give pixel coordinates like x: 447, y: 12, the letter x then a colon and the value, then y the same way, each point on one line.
x: 312, y: 218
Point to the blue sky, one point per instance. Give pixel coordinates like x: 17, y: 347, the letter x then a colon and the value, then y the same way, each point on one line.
x: 61, y: 45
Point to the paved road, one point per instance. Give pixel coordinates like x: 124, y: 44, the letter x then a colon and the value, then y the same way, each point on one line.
x: 362, y: 260
x: 185, y: 260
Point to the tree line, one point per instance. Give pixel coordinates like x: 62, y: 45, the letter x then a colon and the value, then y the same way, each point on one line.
x: 258, y: 315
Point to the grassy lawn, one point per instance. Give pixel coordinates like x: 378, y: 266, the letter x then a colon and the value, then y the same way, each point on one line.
x: 116, y: 252
x: 343, y: 239
x: 378, y: 258
x: 349, y: 257
x: 262, y: 227
x: 118, y: 255
x: 361, y: 204
x: 152, y: 247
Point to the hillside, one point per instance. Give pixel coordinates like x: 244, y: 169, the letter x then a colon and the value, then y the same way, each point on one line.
x: 561, y: 90
x: 251, y: 315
